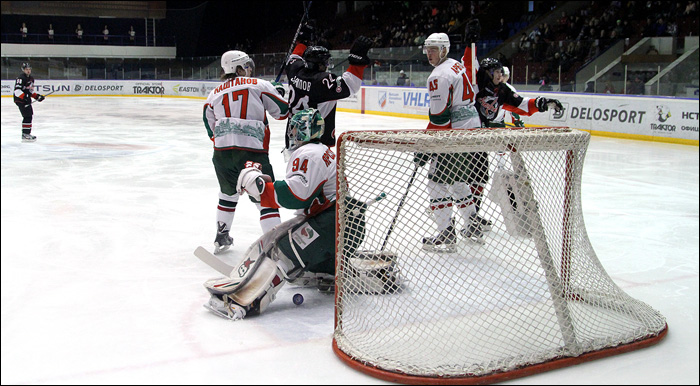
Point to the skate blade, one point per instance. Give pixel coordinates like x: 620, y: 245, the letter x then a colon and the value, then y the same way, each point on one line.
x: 219, y: 313
x: 440, y: 248
x: 215, y: 311
x: 218, y: 250
x: 473, y: 240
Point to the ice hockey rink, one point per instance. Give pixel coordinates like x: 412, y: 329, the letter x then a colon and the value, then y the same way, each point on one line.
x: 101, y: 215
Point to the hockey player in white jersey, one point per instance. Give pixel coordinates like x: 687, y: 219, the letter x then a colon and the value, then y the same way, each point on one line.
x: 305, y: 243
x: 451, y: 106
x: 236, y: 122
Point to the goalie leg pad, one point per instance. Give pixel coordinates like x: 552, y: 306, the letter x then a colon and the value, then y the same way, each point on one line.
x: 506, y: 192
x: 255, y: 294
x: 256, y: 287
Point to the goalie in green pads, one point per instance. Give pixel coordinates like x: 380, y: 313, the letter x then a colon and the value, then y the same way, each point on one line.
x: 305, y: 243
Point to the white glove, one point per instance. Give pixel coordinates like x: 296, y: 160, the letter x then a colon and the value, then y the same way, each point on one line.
x: 252, y: 181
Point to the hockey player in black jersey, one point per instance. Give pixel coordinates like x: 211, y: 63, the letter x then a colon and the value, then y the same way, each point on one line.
x: 494, y: 94
x: 23, y: 94
x: 312, y: 86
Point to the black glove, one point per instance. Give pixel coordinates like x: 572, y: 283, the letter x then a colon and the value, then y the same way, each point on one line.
x: 421, y: 159
x: 542, y: 104
x: 472, y: 31
x: 358, y: 51
x: 40, y: 98
x: 306, y: 34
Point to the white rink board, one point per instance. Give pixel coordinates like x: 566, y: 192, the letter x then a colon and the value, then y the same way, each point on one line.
x: 652, y: 118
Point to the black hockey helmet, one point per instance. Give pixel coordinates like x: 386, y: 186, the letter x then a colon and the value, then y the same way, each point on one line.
x: 491, y: 65
x: 26, y: 65
x: 317, y: 56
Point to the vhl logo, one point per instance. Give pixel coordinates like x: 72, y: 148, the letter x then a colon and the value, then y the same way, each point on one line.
x: 560, y: 115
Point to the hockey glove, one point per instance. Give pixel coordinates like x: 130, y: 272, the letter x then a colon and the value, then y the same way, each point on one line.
x: 306, y: 34
x: 279, y: 87
x: 473, y: 31
x: 40, y: 98
x: 543, y: 104
x: 252, y: 181
x: 358, y: 51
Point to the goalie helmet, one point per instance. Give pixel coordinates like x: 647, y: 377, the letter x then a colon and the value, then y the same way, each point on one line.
x: 26, y: 65
x: 438, y: 39
x: 305, y: 126
x: 317, y: 56
x: 231, y: 60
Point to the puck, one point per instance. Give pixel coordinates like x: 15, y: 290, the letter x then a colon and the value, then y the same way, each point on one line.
x: 298, y: 299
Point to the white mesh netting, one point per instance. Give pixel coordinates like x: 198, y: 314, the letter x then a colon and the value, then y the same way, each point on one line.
x: 532, y: 291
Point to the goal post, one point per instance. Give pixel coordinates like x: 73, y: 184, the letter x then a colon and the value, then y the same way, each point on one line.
x: 531, y: 297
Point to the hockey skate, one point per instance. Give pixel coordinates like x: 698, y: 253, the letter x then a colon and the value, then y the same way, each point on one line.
x: 473, y: 231
x: 222, y: 241
x: 445, y: 241
x: 26, y: 137
x: 224, y: 307
x: 485, y: 224
x: 322, y: 281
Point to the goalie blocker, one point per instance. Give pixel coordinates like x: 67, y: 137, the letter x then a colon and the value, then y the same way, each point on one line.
x: 288, y: 251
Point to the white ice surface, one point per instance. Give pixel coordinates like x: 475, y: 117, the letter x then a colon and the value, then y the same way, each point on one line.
x: 101, y: 215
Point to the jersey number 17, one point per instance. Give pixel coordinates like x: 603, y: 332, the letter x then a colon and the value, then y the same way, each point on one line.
x: 241, y: 95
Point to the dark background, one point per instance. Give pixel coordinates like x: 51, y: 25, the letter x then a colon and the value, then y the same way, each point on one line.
x: 209, y: 28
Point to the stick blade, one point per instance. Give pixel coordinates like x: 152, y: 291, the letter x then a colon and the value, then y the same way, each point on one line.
x: 213, y: 261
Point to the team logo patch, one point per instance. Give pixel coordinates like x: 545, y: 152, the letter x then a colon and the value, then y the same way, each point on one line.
x: 559, y: 115
x: 304, y: 236
x: 663, y: 113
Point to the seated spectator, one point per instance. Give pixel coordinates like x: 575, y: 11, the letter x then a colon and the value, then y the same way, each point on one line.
x: 609, y: 88
x: 403, y: 79
x: 672, y: 29
x: 524, y: 43
x: 637, y: 86
x: 563, y: 23
x: 502, y: 31
x: 660, y: 27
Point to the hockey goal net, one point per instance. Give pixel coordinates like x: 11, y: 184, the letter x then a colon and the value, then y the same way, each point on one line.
x: 530, y: 296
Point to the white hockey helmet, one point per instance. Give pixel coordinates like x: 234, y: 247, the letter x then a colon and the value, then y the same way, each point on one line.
x: 231, y: 60
x: 437, y: 39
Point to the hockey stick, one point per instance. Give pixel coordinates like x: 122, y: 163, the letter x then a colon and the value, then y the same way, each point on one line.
x: 213, y: 261
x: 367, y: 204
x: 398, y: 209
x: 473, y: 58
x: 291, y: 48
